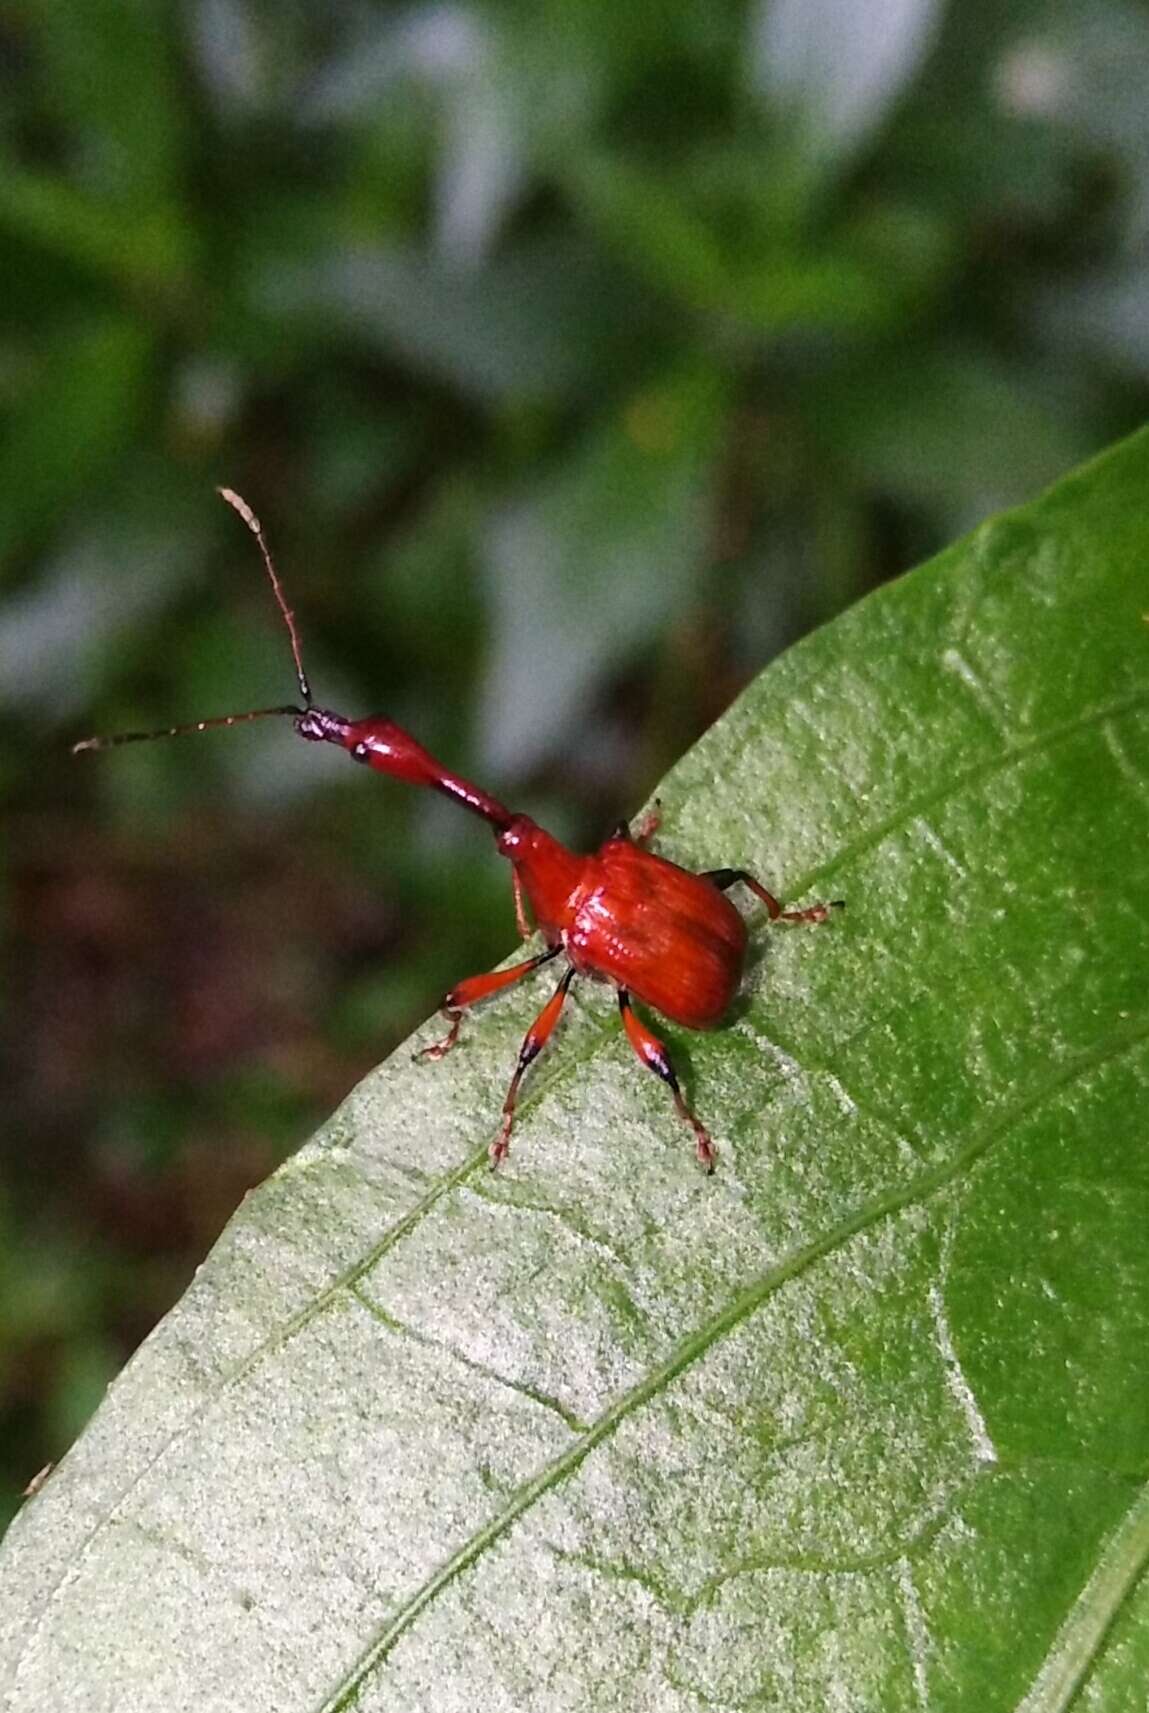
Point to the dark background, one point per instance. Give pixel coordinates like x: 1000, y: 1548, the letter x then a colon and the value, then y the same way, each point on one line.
x: 578, y: 357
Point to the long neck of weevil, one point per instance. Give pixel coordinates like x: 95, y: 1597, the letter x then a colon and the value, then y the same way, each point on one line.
x: 381, y: 744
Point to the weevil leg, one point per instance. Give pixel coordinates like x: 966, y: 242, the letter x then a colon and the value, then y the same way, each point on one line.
x: 645, y: 830
x: 725, y: 877
x: 534, y: 1041
x: 478, y: 987
x: 655, y: 1057
x: 648, y: 825
x: 522, y: 920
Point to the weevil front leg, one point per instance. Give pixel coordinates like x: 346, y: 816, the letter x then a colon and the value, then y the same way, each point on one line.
x: 522, y: 920
x: 725, y: 877
x: 477, y: 987
x: 534, y: 1041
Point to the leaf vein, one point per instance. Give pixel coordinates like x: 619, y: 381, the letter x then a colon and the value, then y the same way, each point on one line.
x: 1078, y: 1642
x: 544, y: 1399
x: 977, y: 771
x: 903, y: 1551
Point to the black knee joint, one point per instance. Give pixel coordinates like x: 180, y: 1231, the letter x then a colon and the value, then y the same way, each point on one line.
x: 663, y: 1067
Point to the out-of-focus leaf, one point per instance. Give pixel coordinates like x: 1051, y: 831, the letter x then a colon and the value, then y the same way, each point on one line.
x: 1106, y: 315
x: 107, y: 70
x: 859, y: 1421
x: 106, y: 577
x: 978, y: 172
x: 227, y: 43
x: 421, y: 587
x: 647, y: 222
x: 948, y: 429
x: 453, y: 53
x: 773, y: 282
x: 583, y: 572
x: 82, y: 411
x: 539, y: 323
x: 147, y: 249
x: 834, y: 67
x: 1058, y: 73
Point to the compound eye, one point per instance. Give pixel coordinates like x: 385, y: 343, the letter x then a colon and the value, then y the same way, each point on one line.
x: 361, y: 752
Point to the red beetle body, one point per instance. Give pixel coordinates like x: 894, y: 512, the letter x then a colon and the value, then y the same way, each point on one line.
x: 657, y: 932
x: 622, y: 915
x: 647, y: 925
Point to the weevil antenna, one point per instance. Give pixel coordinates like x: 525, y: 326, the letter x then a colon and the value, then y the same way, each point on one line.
x: 191, y: 726
x: 240, y: 505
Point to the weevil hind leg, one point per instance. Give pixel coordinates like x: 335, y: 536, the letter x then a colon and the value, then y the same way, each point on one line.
x: 653, y: 1054
x: 723, y: 878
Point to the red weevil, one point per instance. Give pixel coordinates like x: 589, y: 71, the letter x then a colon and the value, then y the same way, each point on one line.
x: 658, y: 933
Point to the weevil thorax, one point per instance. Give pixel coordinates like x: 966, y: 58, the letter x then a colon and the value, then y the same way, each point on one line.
x: 552, y: 877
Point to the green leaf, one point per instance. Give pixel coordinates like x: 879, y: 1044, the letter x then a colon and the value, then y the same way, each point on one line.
x: 940, y: 426
x: 544, y: 321
x: 768, y: 277
x: 860, y: 1421
x: 583, y: 570
x: 83, y: 409
x: 146, y: 250
x: 110, y: 72
x: 836, y: 68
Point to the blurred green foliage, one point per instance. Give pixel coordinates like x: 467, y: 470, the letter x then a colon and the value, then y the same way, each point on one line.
x: 577, y: 358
